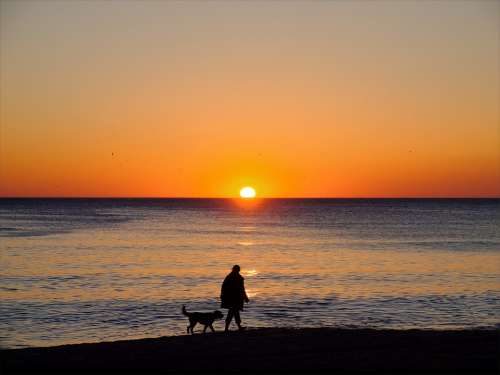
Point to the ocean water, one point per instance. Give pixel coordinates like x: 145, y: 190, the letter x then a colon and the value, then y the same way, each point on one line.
x: 89, y: 270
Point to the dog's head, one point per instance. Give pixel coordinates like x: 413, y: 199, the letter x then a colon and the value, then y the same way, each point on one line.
x: 218, y: 314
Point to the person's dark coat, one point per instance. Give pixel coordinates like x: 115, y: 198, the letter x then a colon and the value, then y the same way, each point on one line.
x: 233, y: 292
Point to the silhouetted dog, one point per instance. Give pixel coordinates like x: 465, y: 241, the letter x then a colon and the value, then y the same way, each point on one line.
x: 207, y: 319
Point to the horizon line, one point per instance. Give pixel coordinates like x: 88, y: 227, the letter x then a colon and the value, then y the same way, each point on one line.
x: 238, y: 197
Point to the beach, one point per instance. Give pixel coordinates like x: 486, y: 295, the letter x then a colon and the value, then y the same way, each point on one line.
x: 273, y: 350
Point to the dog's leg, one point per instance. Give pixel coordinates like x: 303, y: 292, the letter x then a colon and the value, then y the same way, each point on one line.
x: 212, y: 328
x: 192, y: 323
x: 205, y: 329
x: 189, y: 326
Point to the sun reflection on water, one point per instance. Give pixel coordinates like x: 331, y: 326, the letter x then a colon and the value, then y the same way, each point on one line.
x: 250, y: 273
x: 251, y: 293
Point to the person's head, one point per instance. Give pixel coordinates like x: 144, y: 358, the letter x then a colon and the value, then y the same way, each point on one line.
x: 236, y: 268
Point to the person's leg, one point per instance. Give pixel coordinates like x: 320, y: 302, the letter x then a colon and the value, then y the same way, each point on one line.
x: 229, y: 317
x: 237, y: 317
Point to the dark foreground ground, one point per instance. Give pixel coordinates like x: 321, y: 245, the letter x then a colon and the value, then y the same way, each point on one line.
x: 273, y: 351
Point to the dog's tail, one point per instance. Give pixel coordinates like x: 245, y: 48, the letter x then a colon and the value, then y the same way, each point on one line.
x: 184, y: 311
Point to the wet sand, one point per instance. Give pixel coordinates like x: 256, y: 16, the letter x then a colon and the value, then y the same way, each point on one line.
x: 273, y: 350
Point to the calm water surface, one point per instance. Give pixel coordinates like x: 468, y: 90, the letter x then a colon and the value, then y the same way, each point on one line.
x: 91, y: 270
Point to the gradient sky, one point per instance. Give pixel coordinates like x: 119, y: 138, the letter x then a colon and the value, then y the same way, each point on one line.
x: 298, y: 99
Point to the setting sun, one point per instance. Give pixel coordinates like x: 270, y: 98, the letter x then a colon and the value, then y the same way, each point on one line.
x: 247, y: 192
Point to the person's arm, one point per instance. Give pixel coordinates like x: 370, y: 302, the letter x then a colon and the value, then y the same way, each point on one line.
x: 245, y: 297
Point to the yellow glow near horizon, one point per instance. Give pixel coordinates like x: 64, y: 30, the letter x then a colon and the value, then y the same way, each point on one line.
x: 247, y: 192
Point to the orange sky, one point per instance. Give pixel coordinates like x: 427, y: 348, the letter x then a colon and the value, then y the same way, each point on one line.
x: 298, y: 99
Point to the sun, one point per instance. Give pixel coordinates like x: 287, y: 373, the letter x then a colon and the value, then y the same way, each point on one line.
x: 247, y: 192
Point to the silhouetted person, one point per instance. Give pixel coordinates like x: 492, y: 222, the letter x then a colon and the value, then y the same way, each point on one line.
x: 232, y: 296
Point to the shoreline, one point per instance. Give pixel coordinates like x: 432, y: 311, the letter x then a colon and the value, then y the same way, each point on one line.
x: 273, y: 350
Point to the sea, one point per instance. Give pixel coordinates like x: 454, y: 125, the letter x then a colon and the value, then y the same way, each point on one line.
x: 92, y: 270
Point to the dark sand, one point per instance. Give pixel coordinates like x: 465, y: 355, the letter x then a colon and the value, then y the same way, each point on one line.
x: 273, y: 351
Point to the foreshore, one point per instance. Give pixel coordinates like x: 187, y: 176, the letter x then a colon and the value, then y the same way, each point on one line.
x: 273, y: 350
